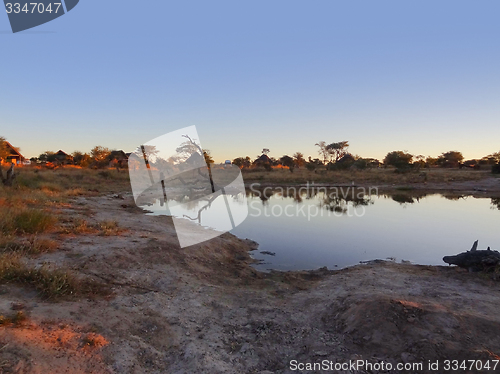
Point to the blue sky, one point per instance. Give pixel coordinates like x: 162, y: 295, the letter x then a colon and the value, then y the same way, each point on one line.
x: 386, y: 75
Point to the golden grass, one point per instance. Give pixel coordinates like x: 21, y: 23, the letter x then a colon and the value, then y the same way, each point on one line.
x: 30, y: 209
x: 362, y: 177
x: 51, y: 283
x: 20, y: 220
x: 27, y: 207
x: 78, y: 226
x: 109, y: 228
x: 72, y: 181
x: 32, y: 245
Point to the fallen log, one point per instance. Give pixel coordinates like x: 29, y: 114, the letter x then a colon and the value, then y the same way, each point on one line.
x: 475, y: 260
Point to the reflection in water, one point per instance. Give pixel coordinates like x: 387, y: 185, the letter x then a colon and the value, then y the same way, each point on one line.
x: 332, y: 199
x: 404, y: 198
x: 338, y: 204
x: 176, y: 172
x: 310, y: 228
x: 405, y: 225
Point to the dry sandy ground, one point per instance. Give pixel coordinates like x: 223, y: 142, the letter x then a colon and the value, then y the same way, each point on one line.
x: 204, y: 309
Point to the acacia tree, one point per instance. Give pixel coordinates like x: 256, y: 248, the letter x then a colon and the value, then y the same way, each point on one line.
x: 100, y: 155
x: 242, y: 162
x: 493, y: 158
x: 288, y: 162
x: 451, y: 159
x: 419, y: 161
x: 81, y: 159
x: 323, y: 150
x: 430, y: 161
x: 4, y: 153
x: 47, y: 156
x: 337, y: 150
x: 299, y: 160
x: 398, y: 159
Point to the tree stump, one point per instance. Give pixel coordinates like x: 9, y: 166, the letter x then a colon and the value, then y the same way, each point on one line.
x: 9, y: 179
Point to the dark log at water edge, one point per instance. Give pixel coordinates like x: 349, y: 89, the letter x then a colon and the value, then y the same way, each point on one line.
x: 475, y: 260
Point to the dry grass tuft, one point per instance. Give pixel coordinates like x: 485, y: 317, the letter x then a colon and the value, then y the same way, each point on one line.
x: 109, y: 228
x: 52, y: 283
x: 80, y: 226
x: 32, y: 221
x: 33, y: 245
x: 22, y: 220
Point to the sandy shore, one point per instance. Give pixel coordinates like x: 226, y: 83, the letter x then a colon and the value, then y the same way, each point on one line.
x: 204, y: 309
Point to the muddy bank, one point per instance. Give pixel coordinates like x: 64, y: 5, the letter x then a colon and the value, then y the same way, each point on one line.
x: 204, y: 309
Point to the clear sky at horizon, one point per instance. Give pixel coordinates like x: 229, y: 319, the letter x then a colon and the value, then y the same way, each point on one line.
x: 385, y: 75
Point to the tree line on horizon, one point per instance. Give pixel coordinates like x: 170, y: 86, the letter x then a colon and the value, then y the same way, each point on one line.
x: 332, y: 156
x: 99, y: 157
x: 336, y: 156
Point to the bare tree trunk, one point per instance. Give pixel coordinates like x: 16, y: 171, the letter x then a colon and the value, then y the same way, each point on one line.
x: 7, y: 181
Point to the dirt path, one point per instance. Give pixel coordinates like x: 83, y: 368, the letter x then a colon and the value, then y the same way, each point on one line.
x: 203, y: 309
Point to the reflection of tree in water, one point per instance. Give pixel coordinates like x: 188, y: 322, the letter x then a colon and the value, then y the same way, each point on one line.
x: 495, y: 201
x: 264, y: 194
x: 335, y: 202
x: 455, y: 197
x: 330, y: 198
x: 409, y: 197
x: 293, y: 194
x: 404, y: 199
x: 338, y: 204
x: 296, y: 193
x: 208, y: 204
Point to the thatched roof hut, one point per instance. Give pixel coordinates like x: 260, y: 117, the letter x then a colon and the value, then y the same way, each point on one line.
x: 14, y: 155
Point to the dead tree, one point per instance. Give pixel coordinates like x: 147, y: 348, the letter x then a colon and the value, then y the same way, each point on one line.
x: 475, y: 260
x: 9, y: 179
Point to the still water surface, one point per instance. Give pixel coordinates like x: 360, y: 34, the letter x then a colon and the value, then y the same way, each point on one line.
x: 315, y: 228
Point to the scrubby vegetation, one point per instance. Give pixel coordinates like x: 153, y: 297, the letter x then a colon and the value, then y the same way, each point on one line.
x: 51, y: 283
x: 31, y: 221
x: 336, y: 157
x: 375, y: 176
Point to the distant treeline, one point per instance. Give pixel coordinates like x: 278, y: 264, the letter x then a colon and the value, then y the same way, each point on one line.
x: 98, y: 157
x: 336, y: 156
x: 332, y: 156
